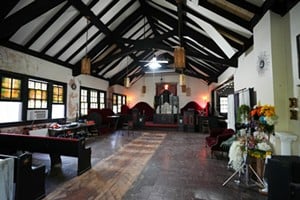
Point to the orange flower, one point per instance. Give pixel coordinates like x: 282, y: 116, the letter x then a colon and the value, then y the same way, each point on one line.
x: 256, y: 111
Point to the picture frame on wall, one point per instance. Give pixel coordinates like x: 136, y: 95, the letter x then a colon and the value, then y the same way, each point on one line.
x: 298, y: 53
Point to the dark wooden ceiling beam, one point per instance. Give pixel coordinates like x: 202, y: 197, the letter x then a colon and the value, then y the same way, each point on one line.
x: 65, y: 29
x: 282, y: 7
x: 115, y: 64
x: 205, y: 41
x: 46, y: 25
x: 201, y: 67
x: 98, y: 23
x: 246, y: 5
x: 109, y: 40
x: 6, y: 7
x: 78, y: 35
x: 148, y: 15
x: 80, y: 48
x: 141, y: 45
x: 113, y: 55
x: 220, y: 28
x: 85, y: 12
x: 119, y: 77
x: 20, y: 48
x: 237, y: 20
x: 128, y: 23
x: 33, y: 10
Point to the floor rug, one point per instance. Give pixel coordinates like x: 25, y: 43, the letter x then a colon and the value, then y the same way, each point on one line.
x: 113, y: 176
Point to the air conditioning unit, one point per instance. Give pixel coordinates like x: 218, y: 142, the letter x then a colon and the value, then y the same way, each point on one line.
x: 37, y: 114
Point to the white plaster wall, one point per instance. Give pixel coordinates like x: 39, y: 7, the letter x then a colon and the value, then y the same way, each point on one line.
x: 248, y: 74
x: 295, y: 30
x: 294, y: 125
x: 14, y: 61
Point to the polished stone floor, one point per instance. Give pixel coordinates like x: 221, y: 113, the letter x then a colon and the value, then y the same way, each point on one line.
x: 148, y: 165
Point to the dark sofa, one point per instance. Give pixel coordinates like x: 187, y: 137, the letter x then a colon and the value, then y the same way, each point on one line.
x: 216, y: 137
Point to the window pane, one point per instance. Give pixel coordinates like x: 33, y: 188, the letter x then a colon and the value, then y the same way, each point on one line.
x: 6, y: 82
x: 31, y: 104
x: 38, y: 85
x: 44, y: 104
x: 44, y: 95
x: 58, y: 111
x: 223, y: 104
x: 31, y: 84
x: 58, y: 94
x: 31, y: 94
x: 5, y: 93
x: 10, y: 88
x: 37, y: 94
x: 38, y: 103
x: 44, y: 86
x: 16, y: 84
x: 16, y: 94
x: 12, y: 110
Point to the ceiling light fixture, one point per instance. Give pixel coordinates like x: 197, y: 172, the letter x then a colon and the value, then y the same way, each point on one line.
x: 179, y: 57
x: 86, y: 61
x: 127, y: 79
x: 182, y: 80
x: 154, y: 64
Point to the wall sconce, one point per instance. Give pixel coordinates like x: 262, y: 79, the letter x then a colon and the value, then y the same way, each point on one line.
x: 188, y: 91
x: 183, y: 88
x: 293, y: 102
x: 143, y: 89
x: 293, y: 108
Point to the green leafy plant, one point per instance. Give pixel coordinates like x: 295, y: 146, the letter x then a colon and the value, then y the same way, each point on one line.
x: 243, y: 113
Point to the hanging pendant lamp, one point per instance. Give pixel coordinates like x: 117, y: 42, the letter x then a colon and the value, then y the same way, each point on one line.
x: 127, y: 82
x: 127, y: 79
x: 86, y: 61
x: 182, y: 80
x: 179, y: 57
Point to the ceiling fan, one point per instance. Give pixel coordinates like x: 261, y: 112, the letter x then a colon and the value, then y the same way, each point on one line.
x: 154, y: 63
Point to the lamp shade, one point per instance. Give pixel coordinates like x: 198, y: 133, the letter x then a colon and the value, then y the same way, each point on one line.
x: 179, y: 57
x: 127, y: 82
x: 86, y: 65
x: 181, y: 79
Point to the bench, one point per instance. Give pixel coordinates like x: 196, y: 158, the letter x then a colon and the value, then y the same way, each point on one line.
x: 29, y: 181
x: 54, y: 146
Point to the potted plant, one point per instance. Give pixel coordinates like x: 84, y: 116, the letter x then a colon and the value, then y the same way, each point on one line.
x: 243, y: 114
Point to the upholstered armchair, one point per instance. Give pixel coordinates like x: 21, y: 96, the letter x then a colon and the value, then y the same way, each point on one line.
x: 216, y: 137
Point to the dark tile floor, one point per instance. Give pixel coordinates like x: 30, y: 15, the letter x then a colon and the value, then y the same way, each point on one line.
x: 180, y: 169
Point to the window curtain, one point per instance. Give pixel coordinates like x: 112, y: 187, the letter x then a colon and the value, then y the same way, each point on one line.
x: 231, y: 114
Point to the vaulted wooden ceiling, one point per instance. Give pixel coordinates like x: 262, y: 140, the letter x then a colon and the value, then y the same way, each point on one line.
x: 118, y: 34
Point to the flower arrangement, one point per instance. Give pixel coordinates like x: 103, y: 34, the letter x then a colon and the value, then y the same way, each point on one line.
x: 258, y: 145
x: 264, y: 118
